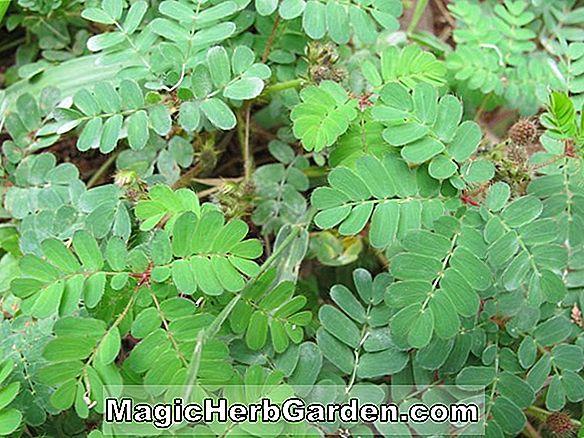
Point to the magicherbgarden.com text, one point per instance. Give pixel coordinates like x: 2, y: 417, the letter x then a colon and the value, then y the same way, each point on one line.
x: 292, y: 410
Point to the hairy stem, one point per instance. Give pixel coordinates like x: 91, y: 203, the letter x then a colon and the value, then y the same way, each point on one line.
x: 271, y: 40
x: 243, y: 134
x: 280, y: 86
x: 542, y: 414
x: 418, y: 12
x: 103, y: 169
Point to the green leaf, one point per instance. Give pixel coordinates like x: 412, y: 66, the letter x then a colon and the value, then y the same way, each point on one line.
x: 465, y: 141
x: 159, y: 118
x: 244, y: 89
x: 47, y: 303
x: 93, y: 289
x: 527, y: 352
x: 110, y: 133
x: 516, y: 390
x: 339, y: 325
x: 290, y: 9
x: 335, y: 351
x: 219, y: 66
x: 109, y: 347
x: 323, y: 116
x: 257, y: 331
x: 314, y: 19
x: 9, y: 421
x: 189, y: 116
x: 8, y: 393
x: 508, y: 415
x: 169, y: 30
x: 556, y: 395
x: 138, y: 134
x: 58, y: 254
x: 568, y: 357
x: 266, y: 7
x: 88, y: 251
x: 218, y: 113
x: 134, y: 17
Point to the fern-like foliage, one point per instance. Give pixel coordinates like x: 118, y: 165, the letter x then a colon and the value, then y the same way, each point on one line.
x: 265, y: 308
x: 421, y: 126
x: 323, y: 116
x: 427, y: 129
x: 441, y: 273
x: 279, y: 188
x: 408, y: 66
x: 354, y: 335
x: 10, y: 418
x: 51, y: 201
x: 496, y: 41
x: 386, y: 193
x: 337, y: 19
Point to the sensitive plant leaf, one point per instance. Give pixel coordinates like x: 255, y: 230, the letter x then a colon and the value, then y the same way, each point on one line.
x: 323, y: 115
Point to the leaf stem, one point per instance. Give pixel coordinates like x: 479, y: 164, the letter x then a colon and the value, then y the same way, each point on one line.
x: 530, y: 431
x: 281, y: 86
x: 243, y: 134
x: 542, y: 414
x: 270, y: 42
x: 193, y: 369
x: 418, y: 12
x: 102, y: 169
x: 215, y: 326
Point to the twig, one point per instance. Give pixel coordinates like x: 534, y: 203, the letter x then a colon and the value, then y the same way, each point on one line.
x: 482, y: 107
x: 204, y: 193
x: 445, y: 13
x: 263, y: 132
x: 187, y: 177
x: 271, y: 40
x: 216, y: 181
x: 541, y: 414
x: 12, y: 44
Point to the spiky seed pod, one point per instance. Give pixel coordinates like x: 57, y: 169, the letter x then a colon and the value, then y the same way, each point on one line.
x: 517, y: 154
x: 523, y: 132
x: 560, y: 424
x: 319, y: 73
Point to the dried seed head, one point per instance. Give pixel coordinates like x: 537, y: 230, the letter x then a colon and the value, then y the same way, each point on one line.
x: 523, y: 132
x: 560, y: 424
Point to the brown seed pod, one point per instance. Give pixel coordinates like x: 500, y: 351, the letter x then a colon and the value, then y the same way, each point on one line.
x: 560, y: 424
x: 523, y: 132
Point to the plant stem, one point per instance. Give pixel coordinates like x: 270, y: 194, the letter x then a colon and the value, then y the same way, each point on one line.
x: 541, y: 414
x: 215, y: 326
x: 245, y: 147
x: 193, y: 369
x: 270, y: 42
x: 280, y: 86
x: 530, y: 431
x: 102, y: 169
x: 11, y: 44
x: 418, y: 12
